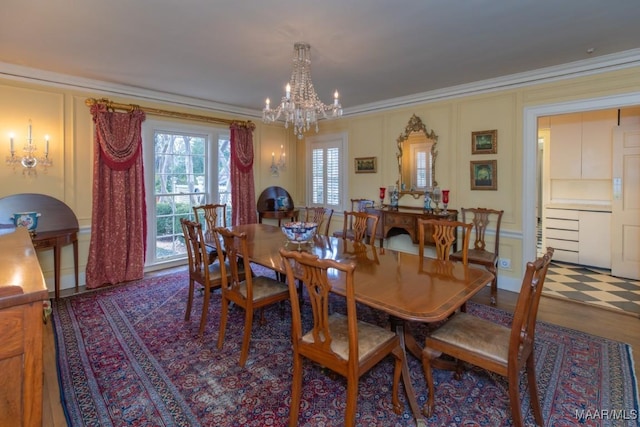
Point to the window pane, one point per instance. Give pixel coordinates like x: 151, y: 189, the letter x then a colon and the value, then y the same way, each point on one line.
x: 317, y: 176
x: 326, y: 182
x: 180, y: 184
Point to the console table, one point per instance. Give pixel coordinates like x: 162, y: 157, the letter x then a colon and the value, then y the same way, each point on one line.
x: 267, y: 206
x: 404, y: 220
x: 57, y: 227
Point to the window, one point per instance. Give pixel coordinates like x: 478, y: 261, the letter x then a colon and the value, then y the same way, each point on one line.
x: 422, y: 165
x: 185, y: 166
x: 326, y: 160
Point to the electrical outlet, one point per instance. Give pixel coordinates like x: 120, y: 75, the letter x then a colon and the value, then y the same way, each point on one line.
x: 505, y: 263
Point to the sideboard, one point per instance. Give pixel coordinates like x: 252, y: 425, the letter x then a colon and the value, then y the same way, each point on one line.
x: 22, y: 290
x: 404, y: 220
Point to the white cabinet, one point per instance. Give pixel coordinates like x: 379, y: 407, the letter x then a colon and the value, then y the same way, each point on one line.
x: 565, y: 146
x: 595, y: 238
x: 579, y: 236
x: 580, y: 145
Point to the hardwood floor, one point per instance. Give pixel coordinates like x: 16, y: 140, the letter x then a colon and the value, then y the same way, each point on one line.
x: 596, y: 321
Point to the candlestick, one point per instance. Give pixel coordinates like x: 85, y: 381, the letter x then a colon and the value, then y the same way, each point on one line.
x: 11, y: 139
x: 46, y: 147
x: 29, y: 132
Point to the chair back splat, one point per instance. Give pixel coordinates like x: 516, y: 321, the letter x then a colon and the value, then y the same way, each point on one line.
x: 444, y: 235
x: 213, y: 215
x: 362, y: 224
x: 336, y: 341
x: 500, y: 349
x: 482, y: 219
x: 357, y: 205
x: 321, y: 216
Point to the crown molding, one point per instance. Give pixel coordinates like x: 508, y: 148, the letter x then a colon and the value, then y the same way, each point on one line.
x: 601, y: 64
x: 33, y: 75
x: 605, y: 63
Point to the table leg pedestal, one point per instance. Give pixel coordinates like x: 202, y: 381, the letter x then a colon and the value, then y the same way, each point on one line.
x: 398, y: 326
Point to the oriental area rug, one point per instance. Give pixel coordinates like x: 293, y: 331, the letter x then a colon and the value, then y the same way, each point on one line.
x: 127, y: 357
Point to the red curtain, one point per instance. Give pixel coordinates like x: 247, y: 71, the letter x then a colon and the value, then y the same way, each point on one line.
x: 243, y: 194
x: 118, y: 221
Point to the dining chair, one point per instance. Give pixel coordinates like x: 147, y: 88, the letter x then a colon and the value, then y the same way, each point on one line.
x: 248, y: 292
x: 500, y: 349
x: 361, y: 225
x: 357, y: 205
x: 444, y: 234
x: 321, y: 216
x: 478, y: 254
x: 339, y: 342
x: 201, y: 271
x: 213, y: 215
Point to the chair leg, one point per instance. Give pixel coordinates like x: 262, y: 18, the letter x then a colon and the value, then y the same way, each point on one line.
x: 296, y: 391
x: 494, y: 284
x: 352, y: 401
x: 514, y: 397
x: 187, y: 315
x: 248, y: 325
x: 533, y: 390
x: 428, y: 376
x: 224, y: 312
x: 205, y: 310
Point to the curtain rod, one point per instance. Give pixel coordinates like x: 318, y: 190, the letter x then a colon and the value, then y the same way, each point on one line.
x: 165, y: 113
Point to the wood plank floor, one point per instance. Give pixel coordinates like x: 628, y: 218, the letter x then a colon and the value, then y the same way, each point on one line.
x: 596, y: 321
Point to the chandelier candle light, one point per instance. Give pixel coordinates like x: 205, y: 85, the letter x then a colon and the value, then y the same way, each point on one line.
x: 300, y: 105
x: 28, y: 160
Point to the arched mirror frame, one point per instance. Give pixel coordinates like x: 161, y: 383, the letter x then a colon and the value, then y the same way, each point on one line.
x: 415, y: 125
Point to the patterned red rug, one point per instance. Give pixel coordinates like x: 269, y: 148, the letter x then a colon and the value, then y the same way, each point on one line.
x: 126, y: 357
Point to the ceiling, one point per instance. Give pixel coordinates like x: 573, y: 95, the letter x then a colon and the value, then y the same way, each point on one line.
x: 237, y: 53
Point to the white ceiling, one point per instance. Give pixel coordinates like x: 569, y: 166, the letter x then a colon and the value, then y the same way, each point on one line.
x: 238, y: 52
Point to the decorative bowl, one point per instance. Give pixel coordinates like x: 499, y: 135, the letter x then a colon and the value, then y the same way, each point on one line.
x: 299, y: 232
x: 29, y: 220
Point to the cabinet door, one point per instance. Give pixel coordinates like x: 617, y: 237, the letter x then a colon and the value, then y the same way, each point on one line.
x: 565, y: 146
x: 595, y: 239
x: 597, y: 128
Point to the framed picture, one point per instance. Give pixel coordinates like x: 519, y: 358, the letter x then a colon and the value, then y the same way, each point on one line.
x: 484, y: 175
x: 366, y: 164
x: 484, y: 142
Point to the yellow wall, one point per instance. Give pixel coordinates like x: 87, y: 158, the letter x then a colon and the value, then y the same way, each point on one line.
x: 62, y: 114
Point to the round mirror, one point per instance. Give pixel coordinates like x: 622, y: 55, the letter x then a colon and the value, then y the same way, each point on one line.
x: 416, y: 157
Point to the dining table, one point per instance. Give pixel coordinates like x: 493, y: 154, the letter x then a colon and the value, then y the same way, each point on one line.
x: 403, y: 285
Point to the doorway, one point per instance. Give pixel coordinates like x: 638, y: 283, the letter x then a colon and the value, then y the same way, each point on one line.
x: 533, y: 211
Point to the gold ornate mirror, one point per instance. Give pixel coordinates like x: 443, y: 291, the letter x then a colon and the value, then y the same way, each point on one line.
x: 416, y: 158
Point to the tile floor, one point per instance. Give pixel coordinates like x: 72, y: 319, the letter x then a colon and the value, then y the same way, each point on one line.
x: 592, y: 286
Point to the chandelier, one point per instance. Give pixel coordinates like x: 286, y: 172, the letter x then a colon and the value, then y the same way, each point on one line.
x: 300, y: 105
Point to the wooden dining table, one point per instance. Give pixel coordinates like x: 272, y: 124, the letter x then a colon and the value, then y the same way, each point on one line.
x: 400, y: 284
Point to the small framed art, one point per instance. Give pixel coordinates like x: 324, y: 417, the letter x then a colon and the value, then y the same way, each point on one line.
x: 484, y: 142
x: 366, y: 164
x: 484, y: 175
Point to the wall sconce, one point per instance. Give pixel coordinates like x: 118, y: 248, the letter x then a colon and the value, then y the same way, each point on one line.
x: 281, y: 164
x: 28, y: 160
